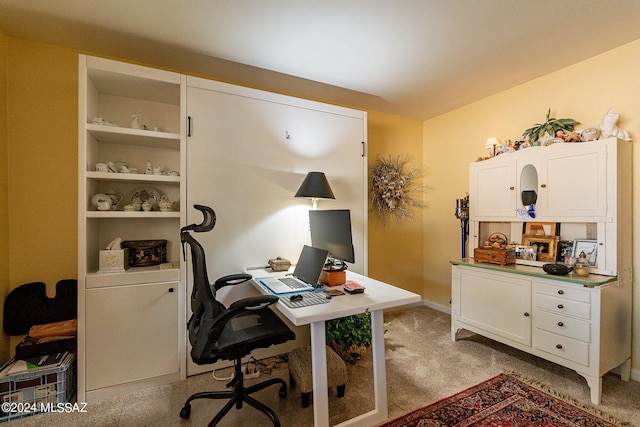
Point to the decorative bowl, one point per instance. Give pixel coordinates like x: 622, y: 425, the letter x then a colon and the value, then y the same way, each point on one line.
x: 557, y: 269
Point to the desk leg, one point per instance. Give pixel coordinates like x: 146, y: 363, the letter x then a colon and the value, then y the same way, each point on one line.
x: 379, y: 366
x: 319, y: 369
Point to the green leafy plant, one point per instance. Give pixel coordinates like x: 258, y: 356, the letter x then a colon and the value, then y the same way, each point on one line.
x: 550, y: 126
x: 350, y: 336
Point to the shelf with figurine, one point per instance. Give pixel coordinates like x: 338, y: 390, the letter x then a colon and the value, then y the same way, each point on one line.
x: 554, y: 131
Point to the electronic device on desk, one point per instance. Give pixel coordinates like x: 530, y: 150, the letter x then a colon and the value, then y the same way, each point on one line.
x: 305, y: 276
x: 353, y: 288
x: 331, y: 230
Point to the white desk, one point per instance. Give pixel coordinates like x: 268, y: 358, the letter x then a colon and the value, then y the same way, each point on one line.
x: 377, y: 297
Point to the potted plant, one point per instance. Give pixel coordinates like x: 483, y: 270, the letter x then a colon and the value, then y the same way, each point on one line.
x: 350, y: 336
x: 550, y: 127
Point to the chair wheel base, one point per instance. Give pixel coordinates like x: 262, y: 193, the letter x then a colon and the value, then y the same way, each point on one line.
x: 185, y: 412
x: 283, y: 391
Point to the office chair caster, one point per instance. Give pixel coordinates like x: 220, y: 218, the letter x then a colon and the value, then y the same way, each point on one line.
x: 283, y: 391
x: 185, y: 412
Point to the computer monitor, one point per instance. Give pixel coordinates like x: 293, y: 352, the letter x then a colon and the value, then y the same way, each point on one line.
x: 331, y: 230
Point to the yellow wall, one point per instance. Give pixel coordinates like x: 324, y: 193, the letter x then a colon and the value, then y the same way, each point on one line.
x: 395, y: 250
x: 4, y: 205
x: 583, y: 92
x: 42, y: 131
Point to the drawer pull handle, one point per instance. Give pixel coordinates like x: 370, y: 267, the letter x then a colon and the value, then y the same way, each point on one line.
x: 559, y: 346
x: 170, y: 289
x: 561, y: 292
x: 560, y: 324
x: 543, y: 185
x: 526, y: 314
x: 512, y: 188
x: 560, y: 306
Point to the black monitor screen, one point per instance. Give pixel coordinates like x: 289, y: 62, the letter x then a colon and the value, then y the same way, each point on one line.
x: 331, y: 230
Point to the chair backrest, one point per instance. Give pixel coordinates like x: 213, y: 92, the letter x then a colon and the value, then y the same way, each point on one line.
x: 204, y: 305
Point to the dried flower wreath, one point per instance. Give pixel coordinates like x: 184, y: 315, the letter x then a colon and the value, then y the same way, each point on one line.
x: 393, y: 191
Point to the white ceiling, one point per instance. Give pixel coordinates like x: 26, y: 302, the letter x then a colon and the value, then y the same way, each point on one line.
x: 415, y: 58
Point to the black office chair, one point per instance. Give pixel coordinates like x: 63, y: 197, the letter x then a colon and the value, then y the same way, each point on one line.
x: 219, y: 333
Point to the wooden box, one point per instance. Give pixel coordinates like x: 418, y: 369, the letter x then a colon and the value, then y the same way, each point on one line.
x: 495, y: 256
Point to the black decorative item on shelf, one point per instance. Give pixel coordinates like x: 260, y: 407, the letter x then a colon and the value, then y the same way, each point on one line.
x: 144, y: 253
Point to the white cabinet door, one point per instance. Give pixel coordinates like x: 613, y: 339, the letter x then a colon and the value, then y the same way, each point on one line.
x: 132, y: 333
x: 573, y: 183
x: 492, y: 192
x: 495, y: 305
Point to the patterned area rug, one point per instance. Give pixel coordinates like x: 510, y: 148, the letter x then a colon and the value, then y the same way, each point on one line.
x: 504, y: 401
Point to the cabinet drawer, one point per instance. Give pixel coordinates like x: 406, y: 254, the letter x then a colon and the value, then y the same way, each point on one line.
x: 563, y: 306
x: 563, y: 325
x: 565, y: 292
x: 566, y: 348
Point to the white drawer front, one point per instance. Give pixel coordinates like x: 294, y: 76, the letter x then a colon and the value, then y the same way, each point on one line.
x: 563, y: 325
x: 563, y: 306
x: 566, y: 348
x: 560, y: 291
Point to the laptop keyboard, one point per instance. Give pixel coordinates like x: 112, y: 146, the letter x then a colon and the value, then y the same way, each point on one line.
x: 311, y: 298
x: 292, y: 283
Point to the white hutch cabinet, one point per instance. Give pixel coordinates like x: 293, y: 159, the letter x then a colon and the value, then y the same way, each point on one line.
x: 583, y: 323
x: 130, y: 329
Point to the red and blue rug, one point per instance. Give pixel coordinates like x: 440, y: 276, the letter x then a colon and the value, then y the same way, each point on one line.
x: 504, y: 401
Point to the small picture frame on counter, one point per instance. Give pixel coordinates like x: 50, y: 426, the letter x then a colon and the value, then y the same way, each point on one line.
x: 590, y: 249
x: 545, y: 246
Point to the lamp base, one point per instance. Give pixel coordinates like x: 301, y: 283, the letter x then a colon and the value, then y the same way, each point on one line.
x: 333, y: 278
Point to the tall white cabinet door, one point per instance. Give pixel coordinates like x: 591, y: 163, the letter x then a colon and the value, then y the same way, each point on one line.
x: 247, y: 154
x: 574, y: 183
x: 492, y: 192
x: 132, y: 333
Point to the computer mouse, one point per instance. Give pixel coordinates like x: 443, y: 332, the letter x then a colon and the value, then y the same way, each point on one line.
x: 295, y: 298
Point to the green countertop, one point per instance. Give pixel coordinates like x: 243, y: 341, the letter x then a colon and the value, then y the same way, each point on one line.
x: 527, y: 270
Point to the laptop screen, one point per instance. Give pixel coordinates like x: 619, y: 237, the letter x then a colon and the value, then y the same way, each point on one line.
x: 310, y: 264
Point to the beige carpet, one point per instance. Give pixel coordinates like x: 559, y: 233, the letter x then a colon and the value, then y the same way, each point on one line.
x: 423, y: 366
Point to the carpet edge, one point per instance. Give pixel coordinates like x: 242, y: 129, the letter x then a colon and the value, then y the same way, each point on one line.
x: 587, y: 407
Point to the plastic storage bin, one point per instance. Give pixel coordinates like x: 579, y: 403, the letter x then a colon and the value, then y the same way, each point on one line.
x: 29, y: 393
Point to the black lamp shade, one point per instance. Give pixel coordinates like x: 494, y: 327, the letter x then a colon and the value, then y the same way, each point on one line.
x: 315, y: 186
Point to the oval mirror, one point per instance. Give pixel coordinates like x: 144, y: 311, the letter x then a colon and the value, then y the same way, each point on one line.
x: 529, y: 185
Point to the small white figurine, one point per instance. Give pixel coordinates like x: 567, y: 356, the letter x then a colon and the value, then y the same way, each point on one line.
x: 608, y: 127
x: 149, y: 169
x: 135, y: 124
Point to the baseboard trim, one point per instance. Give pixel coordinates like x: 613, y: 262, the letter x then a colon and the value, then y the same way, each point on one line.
x: 436, y: 306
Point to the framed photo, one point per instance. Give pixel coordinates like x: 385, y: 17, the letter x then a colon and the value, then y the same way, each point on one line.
x: 541, y: 228
x: 525, y: 252
x: 590, y: 249
x: 565, y: 250
x: 545, y: 246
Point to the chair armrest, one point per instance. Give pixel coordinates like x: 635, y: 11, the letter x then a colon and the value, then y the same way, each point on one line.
x: 254, y: 303
x: 231, y: 279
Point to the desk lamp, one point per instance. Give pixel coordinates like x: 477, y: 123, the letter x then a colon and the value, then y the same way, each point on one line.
x: 315, y: 186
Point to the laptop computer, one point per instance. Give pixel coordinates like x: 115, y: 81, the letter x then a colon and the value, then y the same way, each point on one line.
x: 305, y: 275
